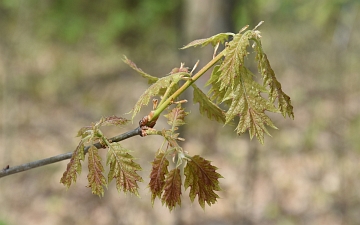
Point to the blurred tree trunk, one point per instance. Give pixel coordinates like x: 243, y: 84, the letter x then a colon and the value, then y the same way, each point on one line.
x: 202, y: 19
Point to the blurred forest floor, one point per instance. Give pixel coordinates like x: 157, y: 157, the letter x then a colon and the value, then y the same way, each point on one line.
x: 53, y: 83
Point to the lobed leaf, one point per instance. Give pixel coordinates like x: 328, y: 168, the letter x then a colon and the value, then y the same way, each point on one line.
x: 151, y: 79
x: 157, y: 89
x: 233, y: 84
x: 215, y: 94
x: 84, y: 131
x: 74, y: 166
x: 123, y: 169
x: 202, y: 179
x: 207, y: 107
x: 234, y: 61
x: 95, y: 177
x: 157, y: 176
x: 172, y: 189
x: 275, y: 92
x: 214, y: 40
x: 250, y: 106
x: 176, y: 117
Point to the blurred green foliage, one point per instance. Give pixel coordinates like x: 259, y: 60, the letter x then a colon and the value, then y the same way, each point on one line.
x: 104, y: 23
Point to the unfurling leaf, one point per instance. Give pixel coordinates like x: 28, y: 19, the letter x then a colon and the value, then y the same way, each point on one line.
x: 84, y: 131
x: 123, y: 169
x: 275, y: 92
x: 157, y: 176
x: 176, y: 117
x: 95, y: 177
x: 234, y: 61
x: 74, y: 166
x: 113, y: 120
x: 150, y: 78
x: 207, y: 107
x: 215, y: 94
x: 172, y: 189
x: 214, y: 40
x: 158, y: 88
x: 202, y: 179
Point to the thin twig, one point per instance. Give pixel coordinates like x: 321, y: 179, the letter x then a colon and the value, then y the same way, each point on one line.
x: 42, y: 162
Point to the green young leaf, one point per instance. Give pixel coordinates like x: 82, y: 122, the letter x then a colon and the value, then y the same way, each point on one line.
x: 157, y: 176
x: 74, y: 166
x: 214, y: 40
x: 84, y: 131
x: 202, y: 179
x: 207, y: 107
x: 95, y: 177
x: 172, y: 189
x: 157, y: 89
x: 123, y: 169
x: 250, y: 106
x: 113, y: 120
x: 275, y: 92
x: 234, y: 61
x: 176, y: 117
x: 150, y: 78
x: 216, y: 94
x: 233, y: 84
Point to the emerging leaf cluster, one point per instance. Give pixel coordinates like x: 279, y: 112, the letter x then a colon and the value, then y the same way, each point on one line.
x: 234, y: 92
x: 122, y: 166
x: 201, y: 176
x: 234, y: 85
x: 234, y: 96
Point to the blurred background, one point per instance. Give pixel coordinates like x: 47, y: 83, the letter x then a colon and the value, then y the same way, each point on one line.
x: 61, y: 68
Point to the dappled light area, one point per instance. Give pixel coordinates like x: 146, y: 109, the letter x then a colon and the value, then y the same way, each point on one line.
x: 64, y: 65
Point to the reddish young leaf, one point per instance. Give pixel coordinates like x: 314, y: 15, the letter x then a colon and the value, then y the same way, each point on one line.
x: 74, y: 166
x: 157, y: 176
x: 172, y: 189
x: 202, y: 179
x: 95, y: 177
x: 123, y: 169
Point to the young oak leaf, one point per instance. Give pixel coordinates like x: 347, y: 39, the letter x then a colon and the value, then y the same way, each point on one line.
x: 123, y: 169
x: 250, y: 106
x: 172, y: 189
x: 234, y: 60
x: 214, y: 40
x: 74, y: 166
x: 96, y: 179
x: 202, y: 179
x: 215, y: 94
x: 84, y: 131
x: 151, y: 79
x: 113, y: 120
x: 176, y: 117
x: 156, y: 89
x: 157, y: 176
x: 275, y: 92
x: 207, y: 107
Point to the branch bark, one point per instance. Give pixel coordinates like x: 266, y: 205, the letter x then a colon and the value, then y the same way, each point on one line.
x: 8, y: 170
